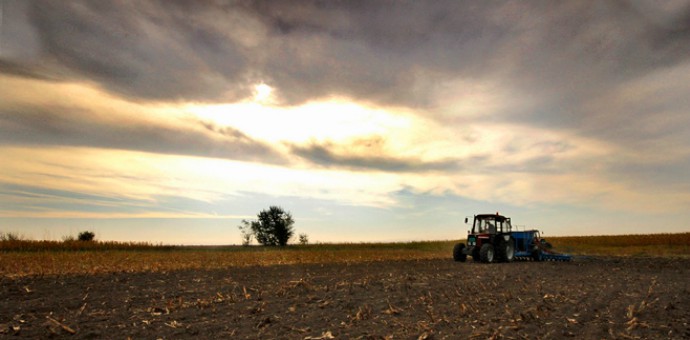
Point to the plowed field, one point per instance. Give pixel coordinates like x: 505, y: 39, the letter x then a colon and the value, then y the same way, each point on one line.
x: 589, y: 298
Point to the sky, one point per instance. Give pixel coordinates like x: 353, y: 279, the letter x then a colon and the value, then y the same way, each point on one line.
x: 370, y: 121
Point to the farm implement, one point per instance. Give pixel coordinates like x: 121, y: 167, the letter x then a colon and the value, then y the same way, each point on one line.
x: 492, y: 239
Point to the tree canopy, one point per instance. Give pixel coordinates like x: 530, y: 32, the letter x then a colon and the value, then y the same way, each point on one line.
x: 86, y: 236
x: 273, y: 227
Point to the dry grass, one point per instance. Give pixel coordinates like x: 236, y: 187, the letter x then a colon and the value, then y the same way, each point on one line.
x: 625, y: 245
x: 94, y: 262
x: 23, y: 257
x: 22, y: 244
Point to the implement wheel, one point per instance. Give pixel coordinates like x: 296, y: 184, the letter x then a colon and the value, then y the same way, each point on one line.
x: 458, y: 255
x: 486, y: 254
x: 537, y: 256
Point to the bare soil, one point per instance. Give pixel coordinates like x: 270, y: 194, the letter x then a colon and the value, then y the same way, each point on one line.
x: 589, y: 298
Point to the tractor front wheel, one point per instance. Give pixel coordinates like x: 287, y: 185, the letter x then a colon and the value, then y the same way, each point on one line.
x: 475, y: 254
x: 487, y: 253
x: 458, y: 255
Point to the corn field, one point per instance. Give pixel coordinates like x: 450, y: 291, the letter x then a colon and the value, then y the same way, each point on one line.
x: 19, y: 257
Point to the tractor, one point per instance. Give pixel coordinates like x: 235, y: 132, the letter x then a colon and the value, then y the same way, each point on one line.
x: 492, y: 239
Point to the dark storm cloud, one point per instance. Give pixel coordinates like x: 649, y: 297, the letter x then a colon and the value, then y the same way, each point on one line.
x: 150, y: 50
x: 371, y: 50
x: 78, y: 127
x: 326, y: 155
x: 25, y: 71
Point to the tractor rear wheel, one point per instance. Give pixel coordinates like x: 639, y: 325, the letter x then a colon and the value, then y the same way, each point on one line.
x: 509, y: 250
x: 486, y: 254
x: 458, y: 255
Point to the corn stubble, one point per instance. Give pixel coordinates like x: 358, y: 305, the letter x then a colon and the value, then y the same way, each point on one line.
x: 626, y: 297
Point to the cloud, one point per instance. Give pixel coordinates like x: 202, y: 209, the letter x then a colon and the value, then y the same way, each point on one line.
x: 155, y: 50
x: 367, y: 155
x: 76, y: 115
x: 529, y: 63
x: 26, y: 71
x: 403, y: 54
x: 136, y: 179
x: 590, y: 95
x: 34, y: 202
x: 30, y: 201
x: 56, y: 128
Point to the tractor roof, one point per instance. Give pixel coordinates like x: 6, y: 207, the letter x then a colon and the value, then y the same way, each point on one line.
x: 497, y: 217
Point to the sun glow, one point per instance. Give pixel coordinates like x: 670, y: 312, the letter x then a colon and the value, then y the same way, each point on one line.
x: 262, y: 93
x: 330, y: 120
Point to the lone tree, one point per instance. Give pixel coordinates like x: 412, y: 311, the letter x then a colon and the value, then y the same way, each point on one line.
x: 274, y: 227
x: 86, y: 236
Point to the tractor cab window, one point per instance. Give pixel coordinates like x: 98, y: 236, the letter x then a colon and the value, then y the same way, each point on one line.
x: 486, y: 226
x: 504, y: 226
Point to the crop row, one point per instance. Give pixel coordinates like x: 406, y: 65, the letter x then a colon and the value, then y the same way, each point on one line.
x: 16, y: 264
x: 677, y: 244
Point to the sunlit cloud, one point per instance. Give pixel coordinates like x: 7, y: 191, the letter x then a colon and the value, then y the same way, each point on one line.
x: 144, y: 177
x: 62, y: 214
x: 332, y: 120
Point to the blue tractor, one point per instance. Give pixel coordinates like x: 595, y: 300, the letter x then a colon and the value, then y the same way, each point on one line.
x: 492, y: 239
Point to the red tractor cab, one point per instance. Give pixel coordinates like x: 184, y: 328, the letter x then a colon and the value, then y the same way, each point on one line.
x: 489, y: 240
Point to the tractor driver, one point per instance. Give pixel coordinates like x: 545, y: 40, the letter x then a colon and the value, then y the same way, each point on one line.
x: 487, y: 227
